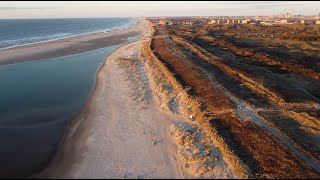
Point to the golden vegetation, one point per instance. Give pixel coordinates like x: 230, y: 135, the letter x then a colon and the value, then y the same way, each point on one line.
x: 241, y: 76
x: 250, y: 150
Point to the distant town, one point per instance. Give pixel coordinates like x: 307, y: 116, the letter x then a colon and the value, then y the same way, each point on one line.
x: 285, y: 18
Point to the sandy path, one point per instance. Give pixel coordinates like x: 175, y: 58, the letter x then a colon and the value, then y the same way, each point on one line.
x: 116, y: 136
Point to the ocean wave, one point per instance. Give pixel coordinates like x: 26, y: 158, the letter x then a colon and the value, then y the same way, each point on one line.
x: 6, y: 44
x: 18, y: 42
x: 131, y: 23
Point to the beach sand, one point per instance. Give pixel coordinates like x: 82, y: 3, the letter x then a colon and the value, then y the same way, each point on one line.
x: 115, y: 136
x: 122, y: 132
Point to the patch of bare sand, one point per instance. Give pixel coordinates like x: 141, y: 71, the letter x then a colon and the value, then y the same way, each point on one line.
x: 198, y: 154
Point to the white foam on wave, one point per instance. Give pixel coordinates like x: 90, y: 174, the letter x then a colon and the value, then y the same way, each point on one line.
x: 16, y: 42
x: 7, y: 44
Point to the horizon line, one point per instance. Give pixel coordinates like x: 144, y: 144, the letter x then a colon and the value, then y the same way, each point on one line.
x: 140, y: 17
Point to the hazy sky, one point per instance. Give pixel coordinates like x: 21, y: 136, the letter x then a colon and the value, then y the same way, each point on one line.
x: 56, y: 9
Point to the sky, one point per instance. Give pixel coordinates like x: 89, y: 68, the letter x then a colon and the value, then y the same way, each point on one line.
x: 90, y: 9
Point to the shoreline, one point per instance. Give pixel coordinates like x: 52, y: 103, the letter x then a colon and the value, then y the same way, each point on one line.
x: 68, y: 46
x: 121, y: 131
x: 78, y: 119
x: 70, y: 37
x: 116, y: 135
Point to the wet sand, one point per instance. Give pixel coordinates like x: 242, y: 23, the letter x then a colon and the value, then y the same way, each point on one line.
x: 67, y: 46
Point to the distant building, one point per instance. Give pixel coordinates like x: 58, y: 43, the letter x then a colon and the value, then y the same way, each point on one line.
x: 170, y: 23
x: 245, y: 21
x: 283, y: 21
x: 163, y: 22
x: 266, y: 23
x: 318, y: 22
x: 239, y: 21
x: 302, y: 21
x: 213, y: 21
x: 187, y: 23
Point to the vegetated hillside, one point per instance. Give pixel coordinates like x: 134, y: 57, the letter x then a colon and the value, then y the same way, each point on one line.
x: 261, y: 84
x: 256, y: 148
x: 299, y: 69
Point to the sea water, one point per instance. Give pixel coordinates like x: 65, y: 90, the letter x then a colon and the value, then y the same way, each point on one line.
x: 17, y: 32
x: 37, y: 100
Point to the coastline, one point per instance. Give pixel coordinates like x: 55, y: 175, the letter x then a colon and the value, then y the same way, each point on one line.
x: 67, y: 46
x: 74, y: 123
x: 78, y: 120
x: 115, y: 135
x: 122, y: 132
